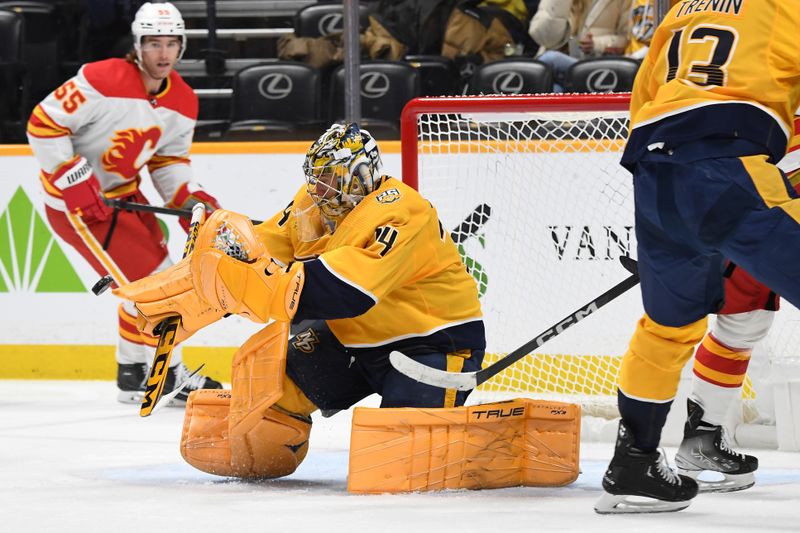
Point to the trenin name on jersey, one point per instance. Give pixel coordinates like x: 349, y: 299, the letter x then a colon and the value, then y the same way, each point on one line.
x: 721, y: 6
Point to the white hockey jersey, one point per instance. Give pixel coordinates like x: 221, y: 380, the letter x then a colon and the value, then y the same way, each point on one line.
x: 105, y: 115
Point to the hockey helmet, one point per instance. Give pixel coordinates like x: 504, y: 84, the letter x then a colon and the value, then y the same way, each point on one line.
x: 341, y: 168
x: 157, y: 20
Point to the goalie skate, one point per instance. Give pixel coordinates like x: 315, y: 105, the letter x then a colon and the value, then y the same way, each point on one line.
x: 705, y: 449
x: 641, y: 482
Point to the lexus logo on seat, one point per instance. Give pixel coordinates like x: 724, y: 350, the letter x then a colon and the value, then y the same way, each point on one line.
x: 275, y: 86
x: 330, y: 23
x: 508, y: 82
x: 374, y: 84
x: 602, y: 80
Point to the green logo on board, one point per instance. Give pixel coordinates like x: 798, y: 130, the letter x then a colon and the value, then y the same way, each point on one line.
x: 31, y: 259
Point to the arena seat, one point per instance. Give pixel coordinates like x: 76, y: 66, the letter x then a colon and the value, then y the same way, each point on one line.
x: 12, y: 78
x: 438, y: 75
x: 602, y: 75
x: 511, y: 76
x: 319, y: 20
x: 276, y: 101
x: 41, y: 48
x: 386, y: 86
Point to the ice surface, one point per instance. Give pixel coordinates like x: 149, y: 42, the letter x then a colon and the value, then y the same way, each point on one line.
x: 73, y: 459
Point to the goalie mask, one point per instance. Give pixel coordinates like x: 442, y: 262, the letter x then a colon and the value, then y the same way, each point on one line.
x: 157, y: 20
x: 341, y: 168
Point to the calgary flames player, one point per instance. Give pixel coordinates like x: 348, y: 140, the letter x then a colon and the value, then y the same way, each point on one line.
x: 368, y: 262
x: 720, y: 366
x: 92, y: 136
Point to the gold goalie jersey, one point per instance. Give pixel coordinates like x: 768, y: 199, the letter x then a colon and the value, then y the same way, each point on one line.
x: 388, y: 273
x: 104, y: 114
x: 719, y: 69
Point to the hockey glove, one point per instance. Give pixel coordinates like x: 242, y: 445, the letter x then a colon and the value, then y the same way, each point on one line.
x: 234, y: 272
x: 81, y: 190
x: 189, y: 194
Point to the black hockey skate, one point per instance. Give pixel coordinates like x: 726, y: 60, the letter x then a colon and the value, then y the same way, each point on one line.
x: 132, y: 379
x: 705, y: 448
x: 640, y: 482
x: 179, y: 374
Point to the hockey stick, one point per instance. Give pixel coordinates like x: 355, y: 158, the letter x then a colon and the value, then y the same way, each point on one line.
x: 469, y: 380
x: 134, y: 206
x: 167, y: 330
x: 472, y: 224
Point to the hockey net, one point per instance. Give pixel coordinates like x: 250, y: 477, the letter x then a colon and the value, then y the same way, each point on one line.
x: 556, y: 212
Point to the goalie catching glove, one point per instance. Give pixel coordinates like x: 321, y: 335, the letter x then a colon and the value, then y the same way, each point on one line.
x: 229, y: 271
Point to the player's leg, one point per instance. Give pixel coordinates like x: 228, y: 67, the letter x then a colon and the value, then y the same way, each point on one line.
x: 680, y: 286
x: 323, y: 370
x: 720, y: 367
x: 128, y: 247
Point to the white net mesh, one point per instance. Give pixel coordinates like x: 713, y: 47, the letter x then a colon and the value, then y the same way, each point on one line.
x: 541, y: 210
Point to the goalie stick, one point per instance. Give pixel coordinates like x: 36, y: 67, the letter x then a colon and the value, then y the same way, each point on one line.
x: 167, y: 330
x: 469, y: 380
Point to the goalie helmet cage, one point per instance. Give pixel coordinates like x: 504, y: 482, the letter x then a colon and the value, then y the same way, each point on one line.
x: 561, y: 213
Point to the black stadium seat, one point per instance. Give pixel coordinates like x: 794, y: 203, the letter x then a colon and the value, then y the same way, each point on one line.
x: 319, y: 20
x: 512, y: 76
x: 386, y: 86
x: 41, y: 49
x: 277, y: 100
x: 438, y: 75
x: 602, y: 75
x: 12, y: 80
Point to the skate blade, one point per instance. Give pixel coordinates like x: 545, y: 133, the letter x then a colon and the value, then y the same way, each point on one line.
x: 629, y: 504
x: 728, y: 483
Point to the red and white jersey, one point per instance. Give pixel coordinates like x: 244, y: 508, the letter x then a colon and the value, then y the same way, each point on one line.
x: 105, y: 115
x: 791, y: 161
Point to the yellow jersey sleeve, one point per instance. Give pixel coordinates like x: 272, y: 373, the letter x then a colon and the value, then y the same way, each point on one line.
x: 726, y: 69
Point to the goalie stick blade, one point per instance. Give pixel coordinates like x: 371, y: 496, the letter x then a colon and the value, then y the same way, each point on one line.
x: 167, y: 398
x: 433, y: 376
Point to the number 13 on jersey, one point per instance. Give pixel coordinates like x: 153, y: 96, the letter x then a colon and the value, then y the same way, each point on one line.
x: 700, y: 55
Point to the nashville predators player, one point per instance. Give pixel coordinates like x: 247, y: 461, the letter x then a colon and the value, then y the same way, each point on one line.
x: 711, y: 114
x: 362, y: 261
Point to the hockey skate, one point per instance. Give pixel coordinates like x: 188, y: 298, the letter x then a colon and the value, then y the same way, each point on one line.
x: 705, y: 448
x: 132, y: 379
x: 640, y: 482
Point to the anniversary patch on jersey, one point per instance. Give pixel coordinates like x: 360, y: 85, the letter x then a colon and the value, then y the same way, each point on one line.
x: 306, y: 341
x: 388, y: 196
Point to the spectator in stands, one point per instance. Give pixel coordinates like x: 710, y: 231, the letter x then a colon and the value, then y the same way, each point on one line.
x: 569, y: 30
x: 641, y: 18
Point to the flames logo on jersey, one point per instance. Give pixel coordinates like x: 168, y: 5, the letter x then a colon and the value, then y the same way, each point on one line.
x: 306, y: 341
x: 130, y: 150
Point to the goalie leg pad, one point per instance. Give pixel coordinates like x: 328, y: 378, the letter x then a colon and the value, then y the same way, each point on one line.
x: 519, y: 442
x: 273, y: 446
x: 239, y: 432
